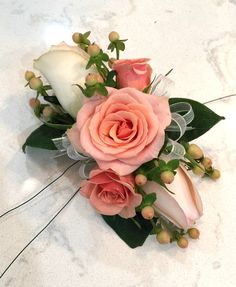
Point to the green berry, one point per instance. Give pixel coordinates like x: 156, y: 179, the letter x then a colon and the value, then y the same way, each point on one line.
x: 167, y: 176
x: 195, y: 151
x: 35, y: 83
x: 163, y: 237
x: 114, y: 36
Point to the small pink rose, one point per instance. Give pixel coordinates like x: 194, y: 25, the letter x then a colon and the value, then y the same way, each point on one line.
x: 123, y: 130
x: 134, y: 73
x: 111, y: 194
x: 183, y: 207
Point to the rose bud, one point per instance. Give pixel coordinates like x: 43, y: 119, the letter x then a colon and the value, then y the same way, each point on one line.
x: 114, y: 36
x: 29, y: 75
x: 215, y: 174
x: 48, y: 112
x: 167, y: 176
x: 135, y: 73
x: 183, y: 207
x: 199, y: 170
x: 182, y: 242
x: 194, y: 233
x: 140, y: 179
x: 33, y: 103
x: 206, y: 162
x: 35, y: 83
x: 91, y: 79
x: 93, y: 50
x: 194, y: 151
x: 163, y: 237
x: 147, y: 212
x: 76, y: 37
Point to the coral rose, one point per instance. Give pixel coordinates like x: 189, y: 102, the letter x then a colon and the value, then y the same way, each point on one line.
x: 134, y: 73
x: 111, y: 194
x: 123, y: 130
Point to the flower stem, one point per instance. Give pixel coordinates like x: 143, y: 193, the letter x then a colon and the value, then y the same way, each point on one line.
x: 117, y: 52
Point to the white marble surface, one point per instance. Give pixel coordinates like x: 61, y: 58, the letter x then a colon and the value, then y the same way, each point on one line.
x: 198, y: 40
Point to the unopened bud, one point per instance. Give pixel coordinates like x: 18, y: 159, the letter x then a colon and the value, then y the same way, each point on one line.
x: 207, y: 162
x: 148, y: 212
x: 167, y: 176
x: 48, y: 112
x: 194, y: 233
x: 199, y: 169
x: 215, y: 174
x: 76, y: 37
x: 100, y: 78
x: 195, y: 151
x: 140, y: 179
x: 33, y: 103
x: 114, y: 36
x: 35, y: 83
x: 91, y: 79
x: 93, y: 50
x: 29, y: 75
x: 163, y: 237
x: 182, y: 242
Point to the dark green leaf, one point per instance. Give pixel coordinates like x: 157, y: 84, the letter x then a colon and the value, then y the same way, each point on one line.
x: 110, y: 82
x: 42, y: 138
x: 105, y: 57
x: 203, y: 121
x: 89, y: 91
x: 62, y: 127
x: 52, y: 99
x: 173, y: 164
x: 129, y: 231
x: 146, y: 167
x: 120, y: 45
x: 111, y: 47
x: 90, y: 63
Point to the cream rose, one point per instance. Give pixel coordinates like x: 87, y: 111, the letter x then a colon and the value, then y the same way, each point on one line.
x: 63, y: 66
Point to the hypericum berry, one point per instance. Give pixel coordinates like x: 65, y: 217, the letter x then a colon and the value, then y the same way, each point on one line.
x: 199, y: 170
x: 163, y: 237
x: 195, y: 151
x: 206, y: 162
x: 91, y: 79
x: 215, y: 174
x: 114, y: 36
x: 140, y: 179
x: 148, y: 212
x: 29, y: 75
x: 194, y: 233
x: 100, y: 78
x: 35, y: 83
x: 182, y: 242
x: 167, y: 176
x: 76, y: 38
x: 93, y: 50
x: 33, y: 103
x: 48, y: 112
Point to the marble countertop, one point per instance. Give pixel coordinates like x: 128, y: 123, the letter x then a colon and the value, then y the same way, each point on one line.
x: 198, y: 40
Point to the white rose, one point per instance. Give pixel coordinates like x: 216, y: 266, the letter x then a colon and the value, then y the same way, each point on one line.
x: 64, y: 66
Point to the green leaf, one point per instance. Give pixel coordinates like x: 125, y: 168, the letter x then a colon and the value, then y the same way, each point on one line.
x: 203, y: 121
x: 42, y: 138
x: 133, y: 231
x: 111, y: 47
x: 62, y: 127
x: 90, y: 63
x: 110, y: 82
x: 86, y: 34
x: 89, y: 91
x: 173, y: 164
x: 105, y: 57
x: 101, y: 89
x: 52, y: 100
x: 120, y: 45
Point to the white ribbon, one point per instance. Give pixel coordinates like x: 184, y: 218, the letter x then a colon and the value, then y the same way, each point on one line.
x: 162, y: 86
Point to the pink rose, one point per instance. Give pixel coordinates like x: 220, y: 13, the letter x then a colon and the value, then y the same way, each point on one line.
x: 123, y: 130
x: 134, y: 73
x: 182, y: 208
x: 111, y: 194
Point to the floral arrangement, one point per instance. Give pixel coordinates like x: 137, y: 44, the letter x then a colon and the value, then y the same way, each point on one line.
x: 131, y: 139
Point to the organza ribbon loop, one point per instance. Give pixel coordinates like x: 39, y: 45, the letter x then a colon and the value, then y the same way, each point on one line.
x: 162, y: 86
x: 182, y: 115
x: 177, y: 150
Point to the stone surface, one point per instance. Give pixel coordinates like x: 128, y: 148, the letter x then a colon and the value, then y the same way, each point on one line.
x: 198, y: 40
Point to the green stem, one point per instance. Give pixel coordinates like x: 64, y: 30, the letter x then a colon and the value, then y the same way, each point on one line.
x: 105, y: 67
x: 117, y: 52
x: 195, y: 163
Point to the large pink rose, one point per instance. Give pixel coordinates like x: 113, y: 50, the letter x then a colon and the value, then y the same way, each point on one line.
x: 123, y: 130
x: 134, y: 73
x: 111, y: 194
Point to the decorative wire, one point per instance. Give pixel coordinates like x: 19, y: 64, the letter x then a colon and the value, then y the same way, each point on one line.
x: 23, y: 203
x: 218, y: 99
x: 51, y: 220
